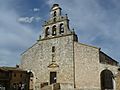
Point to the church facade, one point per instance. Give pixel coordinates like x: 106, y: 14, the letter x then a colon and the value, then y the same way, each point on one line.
x: 57, y: 60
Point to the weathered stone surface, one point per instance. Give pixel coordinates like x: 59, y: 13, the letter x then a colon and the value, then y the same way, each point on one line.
x: 78, y: 66
x: 39, y: 57
x: 118, y: 81
x: 86, y: 66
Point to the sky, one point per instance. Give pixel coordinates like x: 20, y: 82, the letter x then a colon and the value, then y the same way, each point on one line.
x: 96, y: 22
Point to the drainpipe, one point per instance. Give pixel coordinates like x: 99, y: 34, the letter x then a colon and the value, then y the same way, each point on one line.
x: 74, y: 62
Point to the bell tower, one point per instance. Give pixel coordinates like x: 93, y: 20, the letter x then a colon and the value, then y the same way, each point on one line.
x: 57, y: 25
x: 55, y: 10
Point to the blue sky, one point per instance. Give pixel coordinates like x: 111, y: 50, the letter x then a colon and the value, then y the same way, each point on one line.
x: 96, y: 22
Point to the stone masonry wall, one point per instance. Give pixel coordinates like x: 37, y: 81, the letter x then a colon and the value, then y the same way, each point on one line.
x: 103, y: 66
x: 39, y: 57
x: 86, y: 67
x: 80, y: 66
x: 118, y: 81
x: 113, y: 69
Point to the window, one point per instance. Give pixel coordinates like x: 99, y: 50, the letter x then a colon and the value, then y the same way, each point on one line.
x: 54, y: 20
x: 54, y: 14
x: 54, y: 30
x: 61, y: 28
x: 14, y: 74
x: 20, y: 75
x: 47, y: 31
x: 53, y: 49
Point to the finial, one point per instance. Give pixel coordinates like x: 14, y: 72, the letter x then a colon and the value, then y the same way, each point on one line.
x: 40, y: 37
x: 66, y: 15
x: 73, y: 31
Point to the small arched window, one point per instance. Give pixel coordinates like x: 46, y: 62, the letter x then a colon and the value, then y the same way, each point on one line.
x: 54, y: 14
x: 47, y: 31
x: 54, y: 19
x: 53, y: 30
x: 61, y: 28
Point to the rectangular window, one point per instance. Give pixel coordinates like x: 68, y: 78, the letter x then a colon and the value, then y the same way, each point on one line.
x: 20, y: 75
x: 53, y: 49
x: 14, y: 74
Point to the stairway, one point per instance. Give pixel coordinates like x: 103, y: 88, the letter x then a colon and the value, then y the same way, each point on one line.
x: 55, y: 86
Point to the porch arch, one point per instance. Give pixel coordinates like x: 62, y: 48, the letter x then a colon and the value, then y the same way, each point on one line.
x: 106, y: 77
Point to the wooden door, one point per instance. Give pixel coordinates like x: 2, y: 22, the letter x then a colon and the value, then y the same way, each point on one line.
x: 53, y: 77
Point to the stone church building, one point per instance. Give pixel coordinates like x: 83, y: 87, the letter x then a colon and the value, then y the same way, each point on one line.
x: 59, y: 62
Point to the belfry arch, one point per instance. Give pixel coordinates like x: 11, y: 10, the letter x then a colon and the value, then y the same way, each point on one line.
x: 47, y: 32
x: 54, y: 30
x: 61, y: 28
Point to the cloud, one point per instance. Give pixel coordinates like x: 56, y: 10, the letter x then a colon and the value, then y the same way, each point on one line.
x: 37, y: 19
x: 28, y: 19
x: 14, y: 37
x: 36, y: 9
x: 96, y: 22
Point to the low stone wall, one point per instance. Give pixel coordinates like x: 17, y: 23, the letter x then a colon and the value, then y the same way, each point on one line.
x: 47, y: 88
x: 88, y: 89
x: 63, y: 86
x: 51, y: 87
x: 66, y: 86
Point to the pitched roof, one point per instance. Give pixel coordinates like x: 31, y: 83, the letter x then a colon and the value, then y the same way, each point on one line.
x: 11, y: 69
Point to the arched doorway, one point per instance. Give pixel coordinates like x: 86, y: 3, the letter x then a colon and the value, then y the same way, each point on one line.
x: 106, y: 80
x: 31, y: 81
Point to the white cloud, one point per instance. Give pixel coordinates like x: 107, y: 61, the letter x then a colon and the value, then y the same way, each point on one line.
x: 29, y: 19
x: 14, y: 37
x: 96, y: 22
x: 93, y: 23
x: 26, y: 19
x: 36, y: 9
x: 37, y: 19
